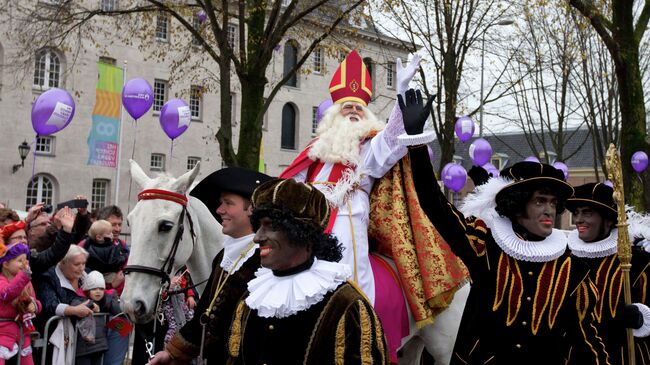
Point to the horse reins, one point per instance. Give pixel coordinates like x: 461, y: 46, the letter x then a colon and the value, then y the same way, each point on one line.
x: 164, y: 272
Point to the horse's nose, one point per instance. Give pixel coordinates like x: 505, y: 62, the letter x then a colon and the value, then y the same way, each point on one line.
x: 140, y: 308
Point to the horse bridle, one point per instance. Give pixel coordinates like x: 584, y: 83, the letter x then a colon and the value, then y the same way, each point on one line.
x: 164, y: 272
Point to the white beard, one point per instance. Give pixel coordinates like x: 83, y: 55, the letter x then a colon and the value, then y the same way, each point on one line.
x: 339, y: 138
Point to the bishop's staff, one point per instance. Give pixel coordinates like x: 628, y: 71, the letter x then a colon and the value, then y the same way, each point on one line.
x: 615, y: 174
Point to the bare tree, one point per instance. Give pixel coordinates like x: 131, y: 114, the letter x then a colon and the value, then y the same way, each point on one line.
x: 621, y: 32
x: 260, y: 26
x: 448, y: 31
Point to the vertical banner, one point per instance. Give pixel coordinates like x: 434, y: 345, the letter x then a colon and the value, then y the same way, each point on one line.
x: 262, y: 166
x: 103, y: 140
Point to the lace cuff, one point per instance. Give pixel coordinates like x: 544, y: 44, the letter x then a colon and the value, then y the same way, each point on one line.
x: 644, y: 331
x: 394, y: 128
x: 415, y: 139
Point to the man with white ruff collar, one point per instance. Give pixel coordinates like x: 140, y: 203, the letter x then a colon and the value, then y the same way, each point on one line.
x: 595, y: 241
x: 530, y: 302
x: 227, y: 194
x: 300, y: 308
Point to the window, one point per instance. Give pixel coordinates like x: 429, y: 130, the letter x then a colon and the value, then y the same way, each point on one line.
x: 290, y: 61
x: 157, y: 162
x: 458, y: 159
x: 39, y: 190
x: 370, y: 66
x: 99, y: 194
x: 318, y: 60
x: 288, y: 127
x: 390, y: 74
x: 196, y: 24
x: 548, y: 157
x: 109, y: 5
x: 108, y: 60
x: 47, y: 70
x: 162, y: 29
x: 314, y: 120
x: 192, y: 161
x: 232, y: 36
x: 44, y: 145
x: 159, y: 94
x: 499, y: 160
x: 196, y: 93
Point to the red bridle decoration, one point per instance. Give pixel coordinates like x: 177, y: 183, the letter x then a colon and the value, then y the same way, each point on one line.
x: 151, y: 194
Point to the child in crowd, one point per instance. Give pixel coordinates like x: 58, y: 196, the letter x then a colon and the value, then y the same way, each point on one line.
x: 91, y: 341
x: 17, y: 300
x: 103, y: 255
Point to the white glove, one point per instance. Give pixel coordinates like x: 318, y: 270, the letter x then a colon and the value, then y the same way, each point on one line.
x: 405, y: 74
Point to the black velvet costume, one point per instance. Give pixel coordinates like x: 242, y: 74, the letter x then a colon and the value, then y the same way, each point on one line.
x: 517, y: 312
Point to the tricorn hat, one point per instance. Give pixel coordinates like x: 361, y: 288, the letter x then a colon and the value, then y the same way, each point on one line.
x: 305, y: 202
x: 533, y: 176
x: 596, y: 195
x: 235, y: 180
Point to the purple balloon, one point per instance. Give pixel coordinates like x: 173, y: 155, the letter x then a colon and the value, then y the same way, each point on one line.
x: 137, y: 97
x: 480, y: 151
x: 464, y: 128
x: 175, y: 117
x: 562, y: 167
x: 639, y: 161
x: 532, y: 159
x: 609, y: 183
x: 491, y: 169
x: 52, y: 111
x: 454, y: 176
x: 202, y: 16
x: 322, y: 108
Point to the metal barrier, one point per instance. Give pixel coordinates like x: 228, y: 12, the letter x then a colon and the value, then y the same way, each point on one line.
x: 21, y: 336
x: 42, y: 342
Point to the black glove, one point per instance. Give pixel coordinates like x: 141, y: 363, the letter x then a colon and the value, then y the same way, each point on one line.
x: 632, y: 317
x: 414, y: 112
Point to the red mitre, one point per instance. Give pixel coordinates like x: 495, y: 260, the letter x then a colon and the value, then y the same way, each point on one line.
x: 351, y: 81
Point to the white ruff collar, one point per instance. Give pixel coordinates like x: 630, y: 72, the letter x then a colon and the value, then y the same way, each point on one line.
x: 232, y: 249
x: 602, y: 248
x: 280, y: 297
x: 548, y: 249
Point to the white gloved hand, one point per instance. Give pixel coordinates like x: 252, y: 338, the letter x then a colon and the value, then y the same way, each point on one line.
x: 405, y: 74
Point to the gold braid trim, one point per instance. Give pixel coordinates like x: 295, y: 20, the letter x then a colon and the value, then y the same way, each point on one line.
x: 366, y: 335
x: 339, y: 345
x: 235, y: 331
x: 380, y: 337
x: 616, y: 286
x: 503, y: 274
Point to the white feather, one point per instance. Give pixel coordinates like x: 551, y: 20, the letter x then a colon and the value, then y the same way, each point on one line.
x: 338, y: 194
x: 482, y: 202
x: 638, y: 223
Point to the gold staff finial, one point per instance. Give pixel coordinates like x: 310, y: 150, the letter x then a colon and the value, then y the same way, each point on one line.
x: 615, y: 174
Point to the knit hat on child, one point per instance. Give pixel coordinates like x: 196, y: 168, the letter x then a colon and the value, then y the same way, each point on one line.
x: 93, y: 280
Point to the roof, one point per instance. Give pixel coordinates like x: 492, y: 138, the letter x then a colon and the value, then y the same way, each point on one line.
x: 578, y: 150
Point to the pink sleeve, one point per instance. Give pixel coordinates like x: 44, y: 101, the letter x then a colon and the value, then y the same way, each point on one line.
x: 10, y: 290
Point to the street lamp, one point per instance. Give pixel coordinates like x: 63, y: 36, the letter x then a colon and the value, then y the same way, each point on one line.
x: 23, y: 151
x: 500, y: 23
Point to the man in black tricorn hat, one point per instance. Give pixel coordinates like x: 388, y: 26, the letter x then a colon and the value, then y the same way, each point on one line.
x: 226, y: 193
x: 530, y: 302
x: 301, y: 308
x: 595, y: 241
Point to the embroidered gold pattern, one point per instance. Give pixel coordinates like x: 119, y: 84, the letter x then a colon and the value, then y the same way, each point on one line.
x: 339, y: 347
x: 582, y: 302
x: 379, y: 339
x: 615, y: 290
x: 235, y: 331
x: 561, y: 285
x: 602, y: 278
x: 366, y: 334
x: 503, y: 273
x: 516, y: 291
x: 543, y: 293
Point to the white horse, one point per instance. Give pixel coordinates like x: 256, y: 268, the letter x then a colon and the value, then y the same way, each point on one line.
x: 154, y: 223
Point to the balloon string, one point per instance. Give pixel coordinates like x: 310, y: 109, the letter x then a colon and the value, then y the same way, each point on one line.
x: 171, y: 153
x: 135, y: 137
x: 638, y: 176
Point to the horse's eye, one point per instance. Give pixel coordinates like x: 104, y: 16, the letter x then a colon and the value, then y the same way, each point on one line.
x: 165, y: 226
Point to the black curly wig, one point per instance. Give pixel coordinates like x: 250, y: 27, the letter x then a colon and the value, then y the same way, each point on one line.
x: 300, y: 233
x: 514, y: 203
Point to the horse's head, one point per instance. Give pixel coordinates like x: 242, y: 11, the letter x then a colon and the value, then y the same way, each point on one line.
x: 154, y: 224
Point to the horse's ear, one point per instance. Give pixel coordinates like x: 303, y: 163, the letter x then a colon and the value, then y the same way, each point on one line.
x: 138, y: 175
x: 184, y: 181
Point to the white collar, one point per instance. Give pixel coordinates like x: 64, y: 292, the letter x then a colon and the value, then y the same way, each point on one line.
x: 233, y: 248
x: 545, y: 250
x: 603, y: 248
x: 65, y: 283
x: 280, y: 297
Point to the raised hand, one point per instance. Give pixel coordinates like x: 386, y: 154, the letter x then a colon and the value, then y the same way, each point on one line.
x: 65, y: 218
x: 406, y: 74
x: 414, y: 112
